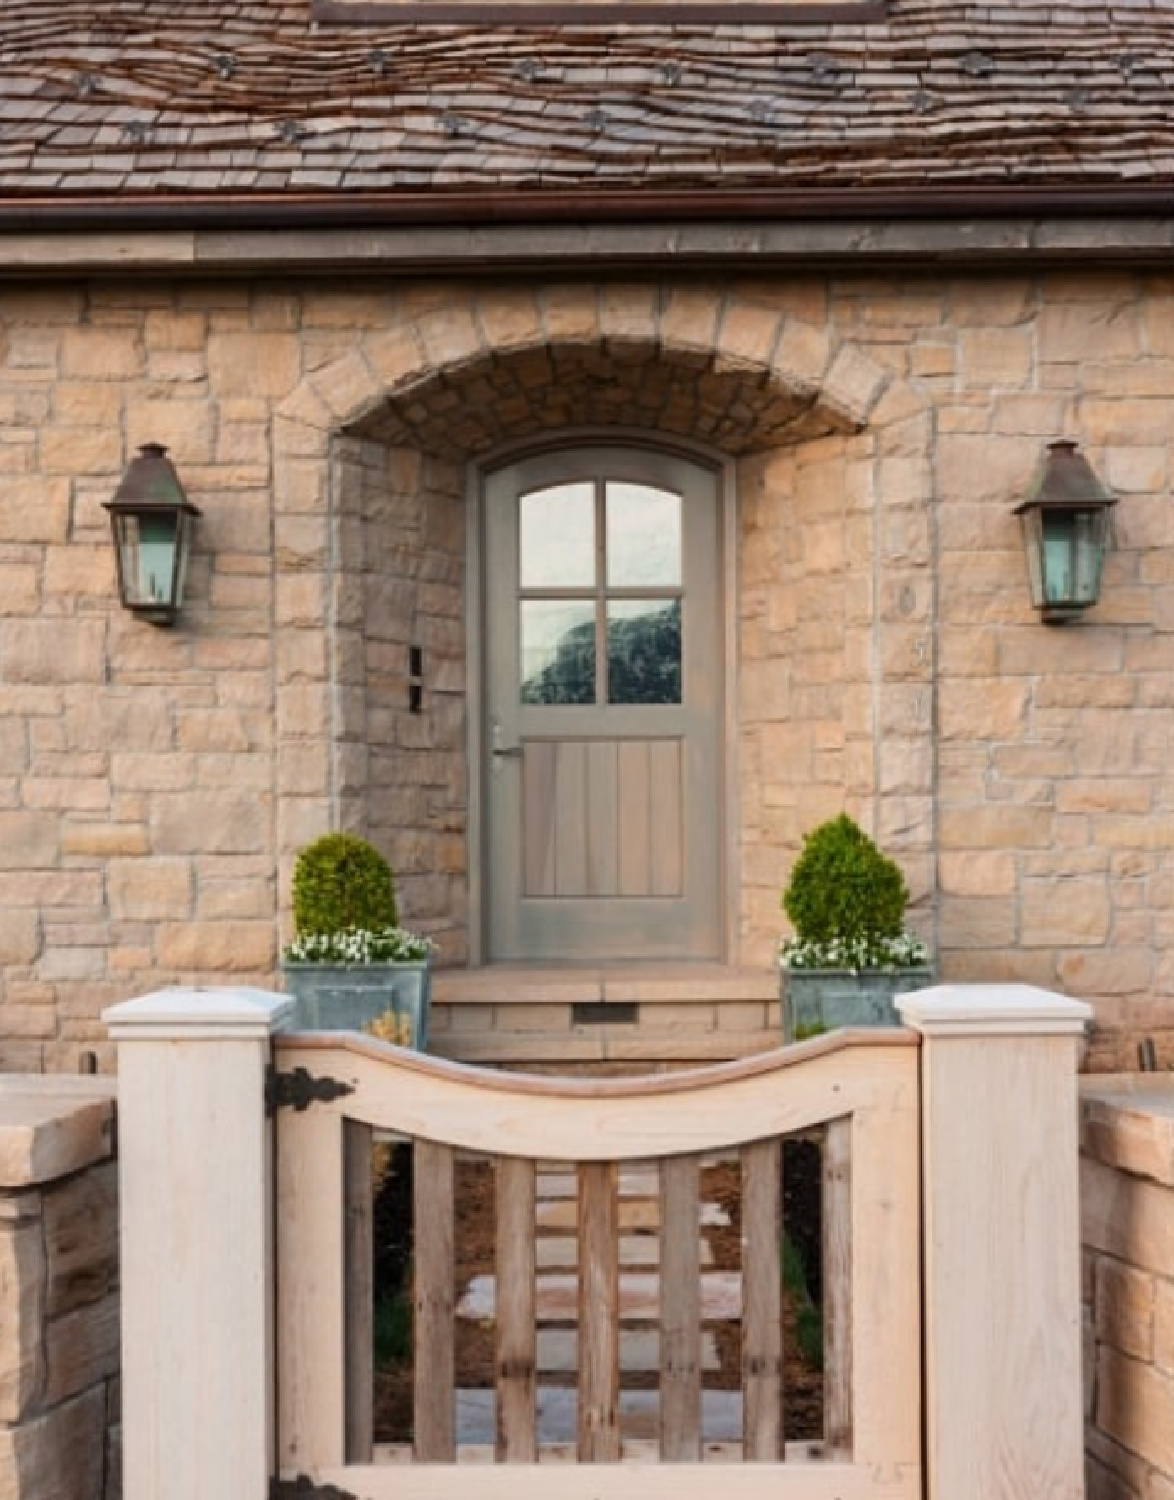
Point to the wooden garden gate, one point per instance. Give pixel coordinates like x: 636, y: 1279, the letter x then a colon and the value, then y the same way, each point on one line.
x: 858, y: 1091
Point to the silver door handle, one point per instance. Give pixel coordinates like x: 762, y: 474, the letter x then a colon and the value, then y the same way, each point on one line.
x: 497, y: 749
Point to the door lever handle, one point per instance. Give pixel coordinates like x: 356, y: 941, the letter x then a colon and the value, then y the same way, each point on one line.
x: 500, y: 751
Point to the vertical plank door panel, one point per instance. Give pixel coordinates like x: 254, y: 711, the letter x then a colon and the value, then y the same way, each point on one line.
x: 538, y: 817
x: 357, y: 1141
x: 433, y: 1387
x: 837, y: 1289
x: 680, y: 1312
x: 762, y: 1325
x: 599, y: 1314
x: 666, y: 819
x: 633, y: 798
x: 603, y: 855
x: 517, y: 1440
x: 570, y: 850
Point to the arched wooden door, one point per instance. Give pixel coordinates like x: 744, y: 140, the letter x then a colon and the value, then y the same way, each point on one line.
x: 603, y: 697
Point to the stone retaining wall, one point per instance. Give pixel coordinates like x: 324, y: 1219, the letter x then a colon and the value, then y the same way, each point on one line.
x: 59, y: 1305
x: 1127, y: 1184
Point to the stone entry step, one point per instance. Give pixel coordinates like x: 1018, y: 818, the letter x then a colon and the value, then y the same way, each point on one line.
x: 558, y: 1351
x: 721, y: 1415
x: 557, y: 1297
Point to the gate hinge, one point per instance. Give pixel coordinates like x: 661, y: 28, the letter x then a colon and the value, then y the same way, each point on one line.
x: 304, y: 1488
x: 299, y: 1089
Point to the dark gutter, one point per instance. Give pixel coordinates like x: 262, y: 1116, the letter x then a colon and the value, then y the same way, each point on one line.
x: 63, y: 214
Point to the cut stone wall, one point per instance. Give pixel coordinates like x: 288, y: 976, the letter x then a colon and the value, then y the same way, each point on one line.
x: 1127, y: 1187
x: 59, y: 1353
x: 155, y: 785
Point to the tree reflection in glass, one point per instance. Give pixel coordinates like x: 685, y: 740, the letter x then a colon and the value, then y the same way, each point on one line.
x: 644, y: 651
x: 558, y: 651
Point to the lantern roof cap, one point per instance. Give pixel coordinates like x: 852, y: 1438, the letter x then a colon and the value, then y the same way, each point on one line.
x: 1065, y: 480
x: 151, y: 483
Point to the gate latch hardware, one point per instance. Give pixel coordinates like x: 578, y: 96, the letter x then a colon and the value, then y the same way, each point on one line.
x: 297, y: 1091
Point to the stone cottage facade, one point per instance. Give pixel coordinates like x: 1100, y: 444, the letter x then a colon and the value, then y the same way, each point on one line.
x: 848, y: 270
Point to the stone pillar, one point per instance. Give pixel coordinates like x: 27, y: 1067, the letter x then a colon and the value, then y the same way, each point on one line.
x: 195, y: 1215
x: 1001, y: 1234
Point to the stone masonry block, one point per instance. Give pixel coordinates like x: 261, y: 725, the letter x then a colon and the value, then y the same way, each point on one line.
x: 60, y: 1456
x: 216, y: 822
x: 28, y: 840
x: 147, y: 890
x: 22, y: 1310
x: 81, y: 1349
x: 217, y: 947
x: 1134, y: 1402
x: 570, y: 314
x: 1124, y: 1302
x: 54, y: 651
x: 81, y: 1240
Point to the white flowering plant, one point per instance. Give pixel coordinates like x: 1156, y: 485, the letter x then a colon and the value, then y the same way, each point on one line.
x: 353, y: 947
x: 906, y: 951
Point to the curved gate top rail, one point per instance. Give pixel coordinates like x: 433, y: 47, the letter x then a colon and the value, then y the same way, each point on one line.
x: 615, y: 1119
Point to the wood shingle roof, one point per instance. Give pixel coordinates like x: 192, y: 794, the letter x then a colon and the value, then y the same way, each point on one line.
x: 251, y: 98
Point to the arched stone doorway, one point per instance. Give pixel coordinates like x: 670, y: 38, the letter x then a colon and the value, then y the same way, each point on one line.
x: 372, y: 460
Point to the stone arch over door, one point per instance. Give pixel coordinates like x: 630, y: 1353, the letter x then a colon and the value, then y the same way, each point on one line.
x: 834, y: 598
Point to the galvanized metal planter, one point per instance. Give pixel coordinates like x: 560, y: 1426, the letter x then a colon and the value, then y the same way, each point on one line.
x: 335, y: 997
x: 817, y: 1000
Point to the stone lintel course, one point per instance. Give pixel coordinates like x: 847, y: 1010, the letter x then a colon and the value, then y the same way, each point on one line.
x: 156, y: 784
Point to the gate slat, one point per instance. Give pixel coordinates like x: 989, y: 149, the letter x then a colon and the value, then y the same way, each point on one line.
x: 762, y: 1326
x: 680, y: 1312
x: 599, y: 1314
x: 356, y: 1141
x: 837, y: 1288
x: 433, y: 1396
x: 517, y: 1339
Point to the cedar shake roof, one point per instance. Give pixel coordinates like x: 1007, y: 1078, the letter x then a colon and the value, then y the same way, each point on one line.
x: 251, y: 98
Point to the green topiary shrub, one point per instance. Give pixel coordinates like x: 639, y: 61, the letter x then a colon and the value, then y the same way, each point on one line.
x: 342, y: 883
x: 847, y: 903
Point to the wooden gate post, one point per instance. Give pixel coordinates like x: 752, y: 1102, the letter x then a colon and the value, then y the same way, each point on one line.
x: 1002, y: 1241
x: 195, y: 1187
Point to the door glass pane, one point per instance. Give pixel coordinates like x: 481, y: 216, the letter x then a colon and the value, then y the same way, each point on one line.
x: 557, y: 537
x: 644, y: 651
x: 558, y: 651
x: 643, y: 537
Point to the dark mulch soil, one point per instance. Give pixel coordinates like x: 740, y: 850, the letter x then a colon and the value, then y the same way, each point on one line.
x: 475, y: 1232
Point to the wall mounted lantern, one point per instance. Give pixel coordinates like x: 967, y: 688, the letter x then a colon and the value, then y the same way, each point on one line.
x: 1066, y: 529
x: 152, y: 520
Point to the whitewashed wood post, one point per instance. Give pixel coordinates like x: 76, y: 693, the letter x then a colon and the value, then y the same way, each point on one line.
x: 195, y: 1187
x: 1002, y: 1241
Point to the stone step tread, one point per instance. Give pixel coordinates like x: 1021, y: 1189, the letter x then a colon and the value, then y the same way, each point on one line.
x: 558, y: 1351
x: 557, y: 1297
x: 556, y: 1410
x: 634, y: 1213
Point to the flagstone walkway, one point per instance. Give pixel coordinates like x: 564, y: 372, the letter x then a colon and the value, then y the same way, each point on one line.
x: 557, y: 1301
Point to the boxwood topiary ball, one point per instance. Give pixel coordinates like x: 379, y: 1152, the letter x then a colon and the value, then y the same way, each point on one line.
x: 341, y: 881
x: 842, y: 886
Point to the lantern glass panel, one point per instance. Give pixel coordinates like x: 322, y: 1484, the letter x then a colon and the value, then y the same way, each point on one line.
x: 148, y: 544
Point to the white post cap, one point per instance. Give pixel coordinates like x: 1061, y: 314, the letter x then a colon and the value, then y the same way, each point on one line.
x: 199, y: 1014
x: 992, y: 1010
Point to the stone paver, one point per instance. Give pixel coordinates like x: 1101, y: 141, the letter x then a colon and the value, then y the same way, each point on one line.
x: 558, y: 1297
x: 635, y: 1213
x: 721, y: 1415
x: 558, y: 1350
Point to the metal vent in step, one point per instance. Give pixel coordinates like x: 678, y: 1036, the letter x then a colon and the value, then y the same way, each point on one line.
x: 605, y: 1013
